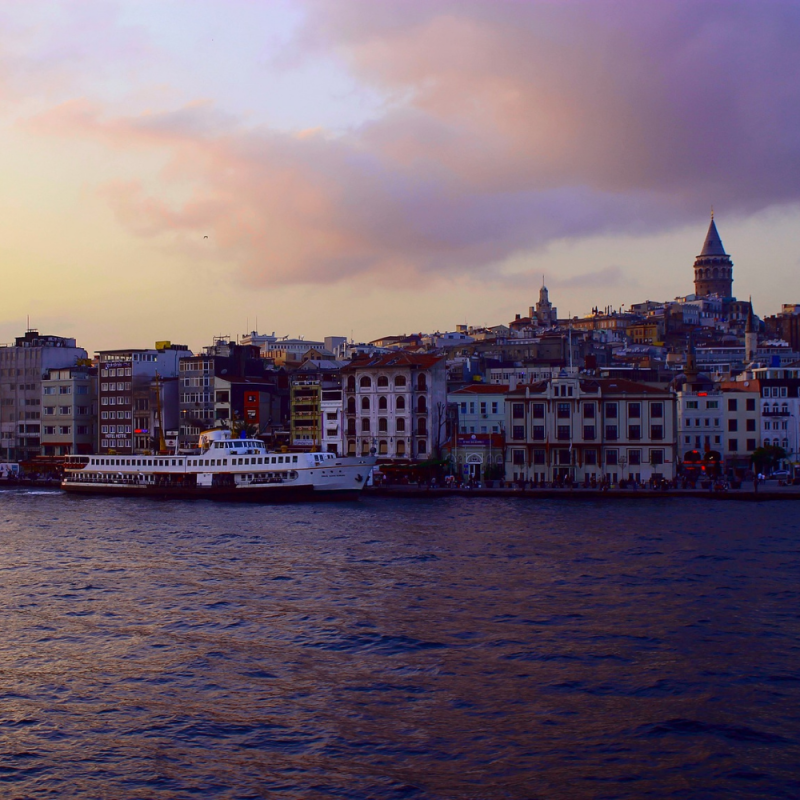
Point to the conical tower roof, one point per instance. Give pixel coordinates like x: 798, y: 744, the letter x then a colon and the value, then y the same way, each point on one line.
x: 713, y: 244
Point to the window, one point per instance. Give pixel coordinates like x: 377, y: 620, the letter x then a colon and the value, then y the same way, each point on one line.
x: 588, y: 432
x: 563, y: 411
x: 518, y: 432
x: 691, y: 404
x: 611, y: 458
x: 365, y: 382
x: 365, y: 425
x: 463, y: 408
x: 422, y: 426
x: 732, y: 404
x: 611, y: 410
x: 750, y: 424
x: 733, y: 445
x: 590, y: 458
x: 634, y: 410
x: 635, y: 457
x: 588, y: 410
x: 422, y: 405
x: 538, y: 457
x: 422, y: 382
x: 611, y: 432
x: 400, y: 381
x: 400, y: 448
x: 495, y: 409
x: 400, y: 424
x: 634, y: 432
x: 383, y: 425
x: 401, y: 403
x: 383, y: 382
x: 422, y: 447
x: 365, y: 403
x: 564, y: 456
x: 483, y: 408
x: 563, y: 432
x: 518, y: 411
x: 518, y: 457
x: 656, y: 432
x: 351, y: 405
x: 538, y: 433
x: 351, y: 387
x: 656, y: 457
x: 733, y: 424
x: 751, y: 404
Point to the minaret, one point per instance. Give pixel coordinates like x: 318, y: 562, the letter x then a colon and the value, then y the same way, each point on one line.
x: 750, y: 337
x: 713, y: 268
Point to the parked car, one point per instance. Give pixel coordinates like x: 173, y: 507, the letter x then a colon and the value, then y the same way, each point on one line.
x: 781, y: 474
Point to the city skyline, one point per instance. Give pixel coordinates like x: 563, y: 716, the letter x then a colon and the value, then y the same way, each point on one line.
x: 185, y: 170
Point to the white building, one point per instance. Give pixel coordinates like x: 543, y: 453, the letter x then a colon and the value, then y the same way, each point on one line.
x: 396, y: 405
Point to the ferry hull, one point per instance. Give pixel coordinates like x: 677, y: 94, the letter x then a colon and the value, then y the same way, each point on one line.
x: 274, y: 494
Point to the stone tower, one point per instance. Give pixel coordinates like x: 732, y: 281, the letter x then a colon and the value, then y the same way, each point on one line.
x: 750, y: 337
x: 713, y: 268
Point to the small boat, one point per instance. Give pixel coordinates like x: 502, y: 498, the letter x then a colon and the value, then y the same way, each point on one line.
x: 222, y: 468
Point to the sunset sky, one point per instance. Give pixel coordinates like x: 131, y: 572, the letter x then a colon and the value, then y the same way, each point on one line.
x: 363, y: 167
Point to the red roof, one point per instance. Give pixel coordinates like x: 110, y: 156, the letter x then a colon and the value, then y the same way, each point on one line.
x: 397, y: 359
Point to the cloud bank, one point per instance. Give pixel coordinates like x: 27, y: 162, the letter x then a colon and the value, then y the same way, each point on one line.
x: 506, y: 126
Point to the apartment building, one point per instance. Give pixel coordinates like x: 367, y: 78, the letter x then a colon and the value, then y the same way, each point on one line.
x: 22, y: 368
x: 69, y: 411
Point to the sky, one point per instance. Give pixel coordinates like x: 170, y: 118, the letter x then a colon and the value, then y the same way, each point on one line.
x: 182, y: 169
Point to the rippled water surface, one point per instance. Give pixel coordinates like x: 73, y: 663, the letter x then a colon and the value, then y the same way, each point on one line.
x: 454, y: 648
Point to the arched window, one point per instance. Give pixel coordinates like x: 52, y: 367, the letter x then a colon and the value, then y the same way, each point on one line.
x: 383, y: 447
x: 383, y: 382
x: 401, y: 403
x: 422, y: 447
x: 383, y: 403
x: 383, y: 425
x: 767, y: 442
x: 365, y: 382
x: 422, y: 426
x: 351, y: 427
x: 422, y: 383
x: 399, y: 381
x: 351, y: 447
x: 365, y: 425
x: 785, y: 444
x: 401, y: 425
x: 422, y: 405
x: 351, y: 383
x: 365, y: 447
x: 351, y: 405
x: 401, y: 448
x: 365, y: 403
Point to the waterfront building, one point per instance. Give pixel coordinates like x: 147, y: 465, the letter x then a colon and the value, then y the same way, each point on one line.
x: 125, y: 394
x: 316, y: 407
x: 69, y: 411
x: 742, y: 425
x: 396, y: 405
x: 580, y: 428
x: 477, y: 444
x: 22, y: 367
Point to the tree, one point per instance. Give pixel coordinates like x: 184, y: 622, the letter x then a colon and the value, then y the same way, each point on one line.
x: 765, y: 459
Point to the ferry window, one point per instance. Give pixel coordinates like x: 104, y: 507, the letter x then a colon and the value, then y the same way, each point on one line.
x: 174, y: 462
x: 273, y: 459
x: 260, y: 460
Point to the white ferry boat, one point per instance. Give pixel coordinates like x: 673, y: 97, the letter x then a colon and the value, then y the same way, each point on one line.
x: 223, y: 468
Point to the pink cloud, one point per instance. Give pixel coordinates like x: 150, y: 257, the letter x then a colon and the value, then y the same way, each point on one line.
x: 508, y: 125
